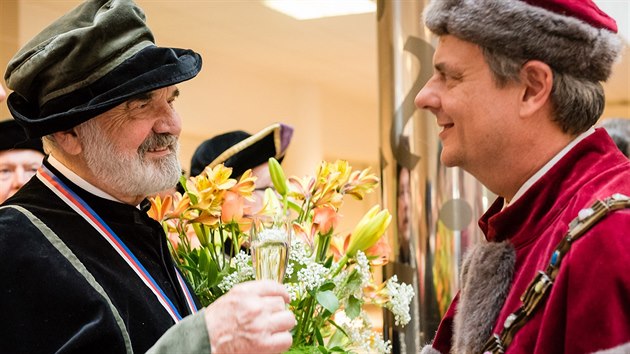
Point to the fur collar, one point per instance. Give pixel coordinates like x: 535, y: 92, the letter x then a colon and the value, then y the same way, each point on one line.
x: 486, y: 275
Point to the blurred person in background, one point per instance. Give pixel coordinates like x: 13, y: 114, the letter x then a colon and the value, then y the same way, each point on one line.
x: 20, y: 158
x: 619, y: 131
x: 243, y: 151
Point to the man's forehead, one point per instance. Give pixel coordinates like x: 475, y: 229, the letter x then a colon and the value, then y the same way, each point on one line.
x: 170, y: 91
x: 452, y: 52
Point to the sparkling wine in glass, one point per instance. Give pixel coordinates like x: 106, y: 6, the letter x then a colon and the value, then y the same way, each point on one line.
x: 270, y: 241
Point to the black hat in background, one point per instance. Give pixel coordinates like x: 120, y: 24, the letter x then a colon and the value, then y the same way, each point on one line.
x: 92, y: 59
x: 242, y: 151
x: 12, y: 136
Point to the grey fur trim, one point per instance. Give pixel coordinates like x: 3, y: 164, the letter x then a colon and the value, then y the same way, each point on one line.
x: 428, y: 349
x: 622, y: 349
x: 486, y: 276
x: 522, y: 31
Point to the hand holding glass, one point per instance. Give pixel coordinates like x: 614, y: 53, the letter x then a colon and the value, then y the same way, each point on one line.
x: 270, y: 239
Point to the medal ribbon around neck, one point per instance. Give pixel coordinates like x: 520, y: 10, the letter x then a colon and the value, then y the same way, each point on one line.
x: 82, y: 208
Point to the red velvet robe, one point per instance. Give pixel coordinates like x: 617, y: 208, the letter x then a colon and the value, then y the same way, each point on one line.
x: 588, y: 306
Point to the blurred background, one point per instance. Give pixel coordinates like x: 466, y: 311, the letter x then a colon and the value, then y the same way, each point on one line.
x: 261, y: 66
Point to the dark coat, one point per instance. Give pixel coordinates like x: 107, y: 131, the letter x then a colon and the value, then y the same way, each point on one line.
x: 49, y: 305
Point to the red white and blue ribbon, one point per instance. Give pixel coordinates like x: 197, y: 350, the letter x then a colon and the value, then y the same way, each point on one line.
x: 82, y: 208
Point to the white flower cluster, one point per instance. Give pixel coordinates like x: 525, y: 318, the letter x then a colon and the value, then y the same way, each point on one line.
x: 363, y: 267
x: 400, y: 298
x: 309, y: 276
x: 293, y: 290
x: 298, y: 252
x: 244, y: 272
x: 312, y: 276
x: 361, y: 334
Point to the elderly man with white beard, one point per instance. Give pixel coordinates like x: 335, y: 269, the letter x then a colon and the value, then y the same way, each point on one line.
x: 83, y: 268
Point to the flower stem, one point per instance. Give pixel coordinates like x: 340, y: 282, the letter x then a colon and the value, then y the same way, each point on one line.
x: 322, y: 246
x: 341, y: 265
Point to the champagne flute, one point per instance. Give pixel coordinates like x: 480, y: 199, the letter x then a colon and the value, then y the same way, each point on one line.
x: 270, y: 240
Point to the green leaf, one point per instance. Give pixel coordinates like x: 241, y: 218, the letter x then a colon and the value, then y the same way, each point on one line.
x: 353, y: 282
x: 193, y: 270
x: 328, y: 262
x: 353, y: 308
x: 328, y: 300
x: 341, y: 330
x: 204, y: 258
x: 182, y: 182
x: 318, y: 336
x: 295, y: 206
x: 213, y: 274
x: 327, y: 286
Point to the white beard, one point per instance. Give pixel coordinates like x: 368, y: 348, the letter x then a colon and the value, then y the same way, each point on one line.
x: 130, y: 174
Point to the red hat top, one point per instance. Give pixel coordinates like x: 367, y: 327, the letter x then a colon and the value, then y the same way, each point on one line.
x: 585, y: 10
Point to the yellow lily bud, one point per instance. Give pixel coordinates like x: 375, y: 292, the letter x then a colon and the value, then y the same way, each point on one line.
x: 369, y: 230
x: 277, y: 176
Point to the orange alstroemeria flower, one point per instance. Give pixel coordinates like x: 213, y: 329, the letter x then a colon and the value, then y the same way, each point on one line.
x: 207, y: 218
x: 339, y: 245
x: 301, y: 188
x: 232, y: 207
x: 219, y: 175
x: 159, y: 207
x: 379, y: 253
x: 325, y: 219
x: 245, y: 185
x: 360, y: 183
x: 305, y: 232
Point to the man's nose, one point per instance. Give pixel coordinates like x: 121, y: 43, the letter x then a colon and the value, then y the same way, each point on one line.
x: 427, y: 98
x: 20, y: 177
x: 169, y: 123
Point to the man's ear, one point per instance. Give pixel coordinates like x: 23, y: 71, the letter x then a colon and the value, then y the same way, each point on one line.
x: 68, y: 141
x: 537, y: 79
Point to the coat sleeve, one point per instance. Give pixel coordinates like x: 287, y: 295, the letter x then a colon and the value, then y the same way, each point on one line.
x: 188, y: 336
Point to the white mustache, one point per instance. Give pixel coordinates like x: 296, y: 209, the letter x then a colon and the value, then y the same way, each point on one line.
x: 157, y: 141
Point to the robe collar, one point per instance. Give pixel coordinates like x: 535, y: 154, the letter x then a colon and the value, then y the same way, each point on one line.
x: 551, y: 193
x: 548, y: 166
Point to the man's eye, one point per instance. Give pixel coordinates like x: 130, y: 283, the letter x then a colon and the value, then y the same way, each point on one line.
x: 5, y: 174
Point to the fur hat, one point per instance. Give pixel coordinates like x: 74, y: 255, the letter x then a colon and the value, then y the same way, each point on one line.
x: 12, y: 136
x: 573, y: 37
x: 90, y: 60
x: 242, y: 151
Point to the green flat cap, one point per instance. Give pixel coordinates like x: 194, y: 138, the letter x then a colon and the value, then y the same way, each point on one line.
x: 90, y: 60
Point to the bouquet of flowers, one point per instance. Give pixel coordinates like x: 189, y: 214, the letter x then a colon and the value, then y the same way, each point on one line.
x: 327, y: 274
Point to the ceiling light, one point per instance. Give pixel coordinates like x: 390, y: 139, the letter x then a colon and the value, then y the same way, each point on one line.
x: 310, y: 9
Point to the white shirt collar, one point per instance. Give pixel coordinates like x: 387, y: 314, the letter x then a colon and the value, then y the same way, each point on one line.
x: 76, y: 179
x: 533, y: 179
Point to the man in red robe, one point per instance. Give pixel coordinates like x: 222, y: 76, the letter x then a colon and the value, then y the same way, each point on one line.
x: 516, y: 91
